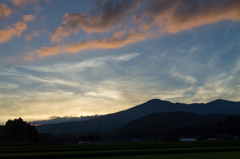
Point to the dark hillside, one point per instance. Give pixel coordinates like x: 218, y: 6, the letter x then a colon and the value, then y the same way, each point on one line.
x: 151, y: 125
x: 112, y: 121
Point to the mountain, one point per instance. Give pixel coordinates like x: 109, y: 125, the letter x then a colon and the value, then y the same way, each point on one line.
x: 58, y: 119
x: 150, y: 125
x: 112, y: 121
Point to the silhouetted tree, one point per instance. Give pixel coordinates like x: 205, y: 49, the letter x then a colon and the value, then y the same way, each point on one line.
x: 14, y: 131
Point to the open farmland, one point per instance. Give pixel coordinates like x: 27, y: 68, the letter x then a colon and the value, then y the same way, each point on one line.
x: 219, y: 149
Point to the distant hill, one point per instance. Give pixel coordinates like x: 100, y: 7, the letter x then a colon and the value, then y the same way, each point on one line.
x: 58, y: 119
x: 151, y: 125
x: 112, y: 121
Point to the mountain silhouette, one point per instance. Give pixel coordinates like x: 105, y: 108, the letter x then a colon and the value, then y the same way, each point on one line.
x: 151, y: 125
x: 113, y: 121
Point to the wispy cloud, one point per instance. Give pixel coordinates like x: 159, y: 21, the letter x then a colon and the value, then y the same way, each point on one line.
x: 192, y: 50
x: 43, y: 51
x: 185, y: 78
x: 237, y: 67
x: 174, y: 94
x: 139, y: 23
x: 222, y: 51
x: 9, y: 86
x: 89, y: 63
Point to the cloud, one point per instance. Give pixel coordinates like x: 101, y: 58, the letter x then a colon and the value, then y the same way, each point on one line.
x: 52, y: 81
x: 31, y: 35
x: 192, y: 50
x: 105, y: 94
x: 139, y: 21
x: 37, y: 9
x: 8, y: 86
x: 108, y: 17
x: 110, y: 14
x: 237, y: 68
x: 180, y: 15
x: 105, y: 43
x: 109, y: 43
x: 59, y: 33
x: 5, y: 11
x: 16, y: 30
x: 156, y: 18
x: 9, y: 72
x: 195, y: 14
x: 186, y: 78
x: 28, y: 18
x: 22, y: 2
x: 10, y: 32
x: 43, y: 51
x: 173, y: 94
x: 216, y: 87
x: 89, y: 63
x: 46, y: 51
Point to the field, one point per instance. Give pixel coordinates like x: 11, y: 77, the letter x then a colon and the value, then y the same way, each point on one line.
x: 166, y: 150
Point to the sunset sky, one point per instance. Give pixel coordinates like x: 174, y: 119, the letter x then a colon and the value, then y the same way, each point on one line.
x: 86, y: 57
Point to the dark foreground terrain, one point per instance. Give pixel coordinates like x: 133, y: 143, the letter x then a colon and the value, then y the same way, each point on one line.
x: 153, y: 150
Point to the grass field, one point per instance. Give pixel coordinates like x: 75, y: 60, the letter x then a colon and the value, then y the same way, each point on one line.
x: 208, y: 155
x: 166, y: 150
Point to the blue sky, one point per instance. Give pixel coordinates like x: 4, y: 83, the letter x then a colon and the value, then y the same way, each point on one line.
x: 62, y: 58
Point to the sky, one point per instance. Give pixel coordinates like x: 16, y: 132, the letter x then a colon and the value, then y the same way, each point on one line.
x: 87, y: 57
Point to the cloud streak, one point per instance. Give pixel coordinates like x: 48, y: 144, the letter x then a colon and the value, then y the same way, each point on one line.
x: 22, y: 2
x: 140, y: 23
x: 43, y: 51
x: 186, y: 78
x: 16, y: 30
x: 180, y: 15
x: 108, y: 43
x: 8, y: 86
x: 110, y: 15
x: 89, y: 63
x: 5, y: 11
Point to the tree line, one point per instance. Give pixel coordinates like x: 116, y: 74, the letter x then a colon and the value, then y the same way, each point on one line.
x: 18, y: 130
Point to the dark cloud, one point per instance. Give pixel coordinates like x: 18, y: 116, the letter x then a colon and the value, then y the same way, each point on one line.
x: 108, y: 16
x: 134, y: 21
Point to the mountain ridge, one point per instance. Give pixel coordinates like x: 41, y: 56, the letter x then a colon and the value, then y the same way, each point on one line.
x: 163, y: 122
x: 115, y: 120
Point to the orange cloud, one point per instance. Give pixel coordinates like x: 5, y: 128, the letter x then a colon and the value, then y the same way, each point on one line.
x: 153, y: 18
x: 174, y: 16
x: 43, y: 51
x: 28, y: 18
x: 159, y: 15
x: 5, y: 11
x: 109, y: 43
x: 22, y: 2
x: 16, y: 30
x: 184, y: 20
x: 111, y: 14
x: 46, y: 51
x: 59, y: 33
x: 105, y: 43
x: 6, y: 35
